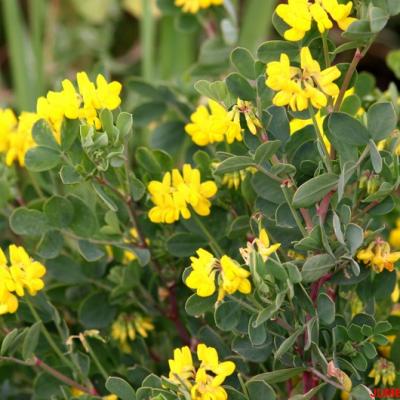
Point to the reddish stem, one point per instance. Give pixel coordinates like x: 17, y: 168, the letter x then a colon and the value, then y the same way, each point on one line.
x: 307, y: 219
x: 323, y: 207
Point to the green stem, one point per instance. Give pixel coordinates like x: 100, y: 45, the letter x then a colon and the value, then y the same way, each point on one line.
x: 96, y: 361
x: 327, y: 59
x: 326, y: 157
x: 212, y: 242
x: 47, y: 335
x: 244, y: 304
x: 293, y: 211
x: 147, y: 33
x: 16, y: 43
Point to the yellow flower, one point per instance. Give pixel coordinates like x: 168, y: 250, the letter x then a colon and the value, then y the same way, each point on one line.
x: 8, y: 125
x: 245, y: 108
x: 202, y: 276
x: 394, y: 236
x: 204, y: 382
x: 233, y: 278
x: 264, y: 247
x: 129, y: 256
x: 125, y: 328
x: 25, y: 272
x: 175, y: 193
x: 384, y: 371
x: 213, y: 125
x: 20, y: 141
x: 181, y: 366
x: 384, y: 350
x: 297, y: 87
x: 378, y: 255
x: 194, y: 6
x: 299, y: 14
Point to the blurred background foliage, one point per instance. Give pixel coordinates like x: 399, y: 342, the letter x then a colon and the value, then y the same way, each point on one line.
x: 44, y: 41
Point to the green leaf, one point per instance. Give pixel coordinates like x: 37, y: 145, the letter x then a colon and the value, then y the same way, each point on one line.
x: 43, y: 135
x: 240, y: 87
x: 137, y: 189
x: 107, y: 200
x: 59, y: 211
x: 309, y: 395
x: 314, y: 190
x: 147, y: 160
x: 258, y: 335
x: 31, y: 340
x: 326, y: 308
x: 227, y: 315
x: 354, y: 237
x: 260, y: 390
x: 84, y: 222
x: 89, y: 251
x: 196, y: 305
x: 347, y: 130
x: 272, y: 50
x: 288, y: 343
x: 317, y: 266
x: 369, y: 350
x: 362, y: 392
x: 257, y: 354
x: 378, y: 18
x: 233, y: 164
x: 382, y: 120
x: 393, y: 61
x: 359, y: 30
x: 24, y: 221
x: 185, y: 244
x: 121, y: 388
x: 8, y: 341
x: 243, y: 61
x: 69, y: 175
x: 50, y: 245
x: 124, y: 123
x: 266, y: 150
x: 376, y: 158
x: 278, y: 124
x: 96, y: 312
x: 69, y: 133
x: 39, y: 159
x: 278, y: 376
x: 267, y: 188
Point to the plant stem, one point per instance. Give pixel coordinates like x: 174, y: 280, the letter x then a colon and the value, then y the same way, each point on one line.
x: 47, y: 335
x: 147, y: 33
x: 212, y: 242
x: 327, y: 59
x: 293, y: 211
x: 326, y: 157
x: 50, y: 370
x: 96, y: 360
x: 244, y: 304
x: 326, y: 379
x: 347, y: 79
x: 16, y: 44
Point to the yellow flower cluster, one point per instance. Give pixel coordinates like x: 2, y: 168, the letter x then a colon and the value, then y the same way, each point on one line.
x: 126, y: 327
x: 299, y: 15
x: 194, y: 6
x: 215, y: 124
x: 84, y: 104
x: 177, y: 192
x: 384, y: 371
x: 22, y: 273
x: 204, y: 382
x: 231, y: 276
x: 16, y: 134
x: 262, y: 245
x: 298, y: 87
x: 378, y: 255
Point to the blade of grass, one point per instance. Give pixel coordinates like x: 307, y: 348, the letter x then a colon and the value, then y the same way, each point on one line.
x: 37, y: 18
x: 256, y: 23
x: 147, y: 36
x: 17, y: 49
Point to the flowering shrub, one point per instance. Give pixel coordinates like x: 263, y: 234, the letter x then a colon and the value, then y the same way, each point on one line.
x: 228, y: 239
